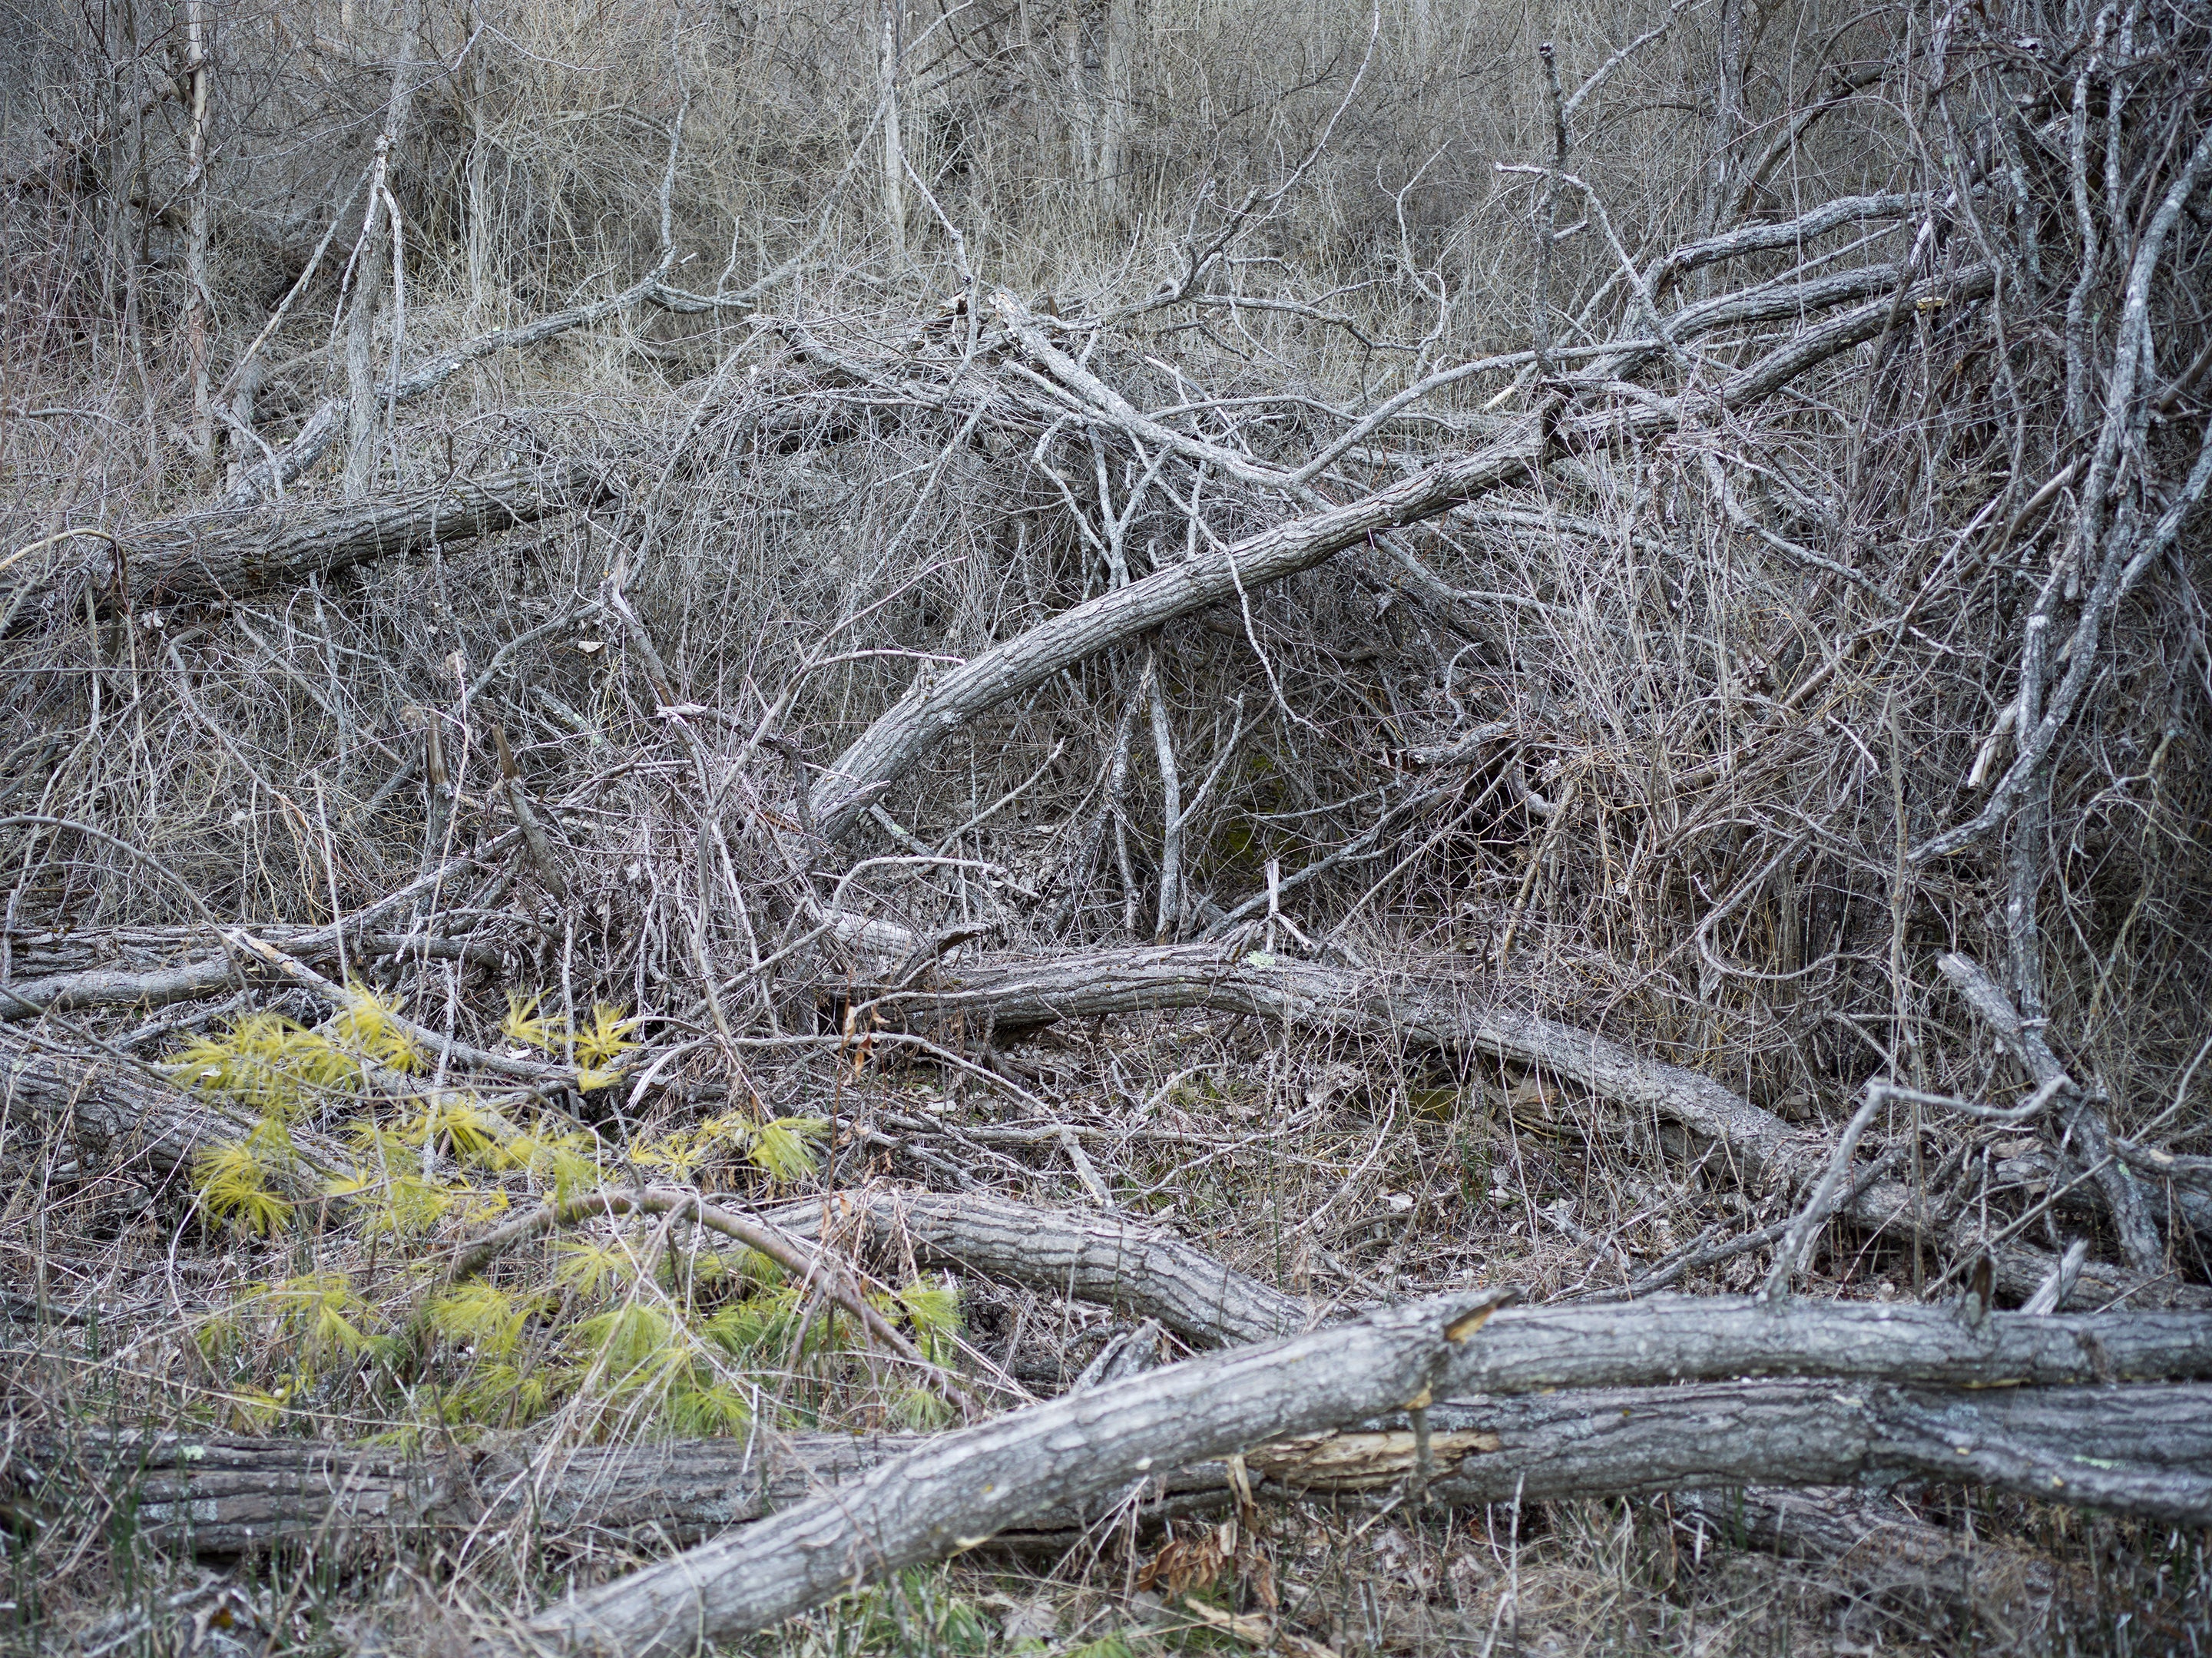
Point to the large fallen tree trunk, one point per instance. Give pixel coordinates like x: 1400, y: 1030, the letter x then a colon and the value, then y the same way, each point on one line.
x: 1456, y: 1019
x: 935, y: 707
x: 114, y: 1110
x: 1150, y: 1274
x: 208, y: 556
x: 2140, y: 1449
x: 954, y: 1491
x: 1120, y: 1262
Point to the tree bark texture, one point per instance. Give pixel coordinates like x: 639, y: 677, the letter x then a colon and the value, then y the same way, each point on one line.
x: 112, y: 1110
x: 1120, y: 1262
x: 1108, y: 1259
x: 82, y: 985
x: 891, y: 747
x: 954, y: 1491
x: 1459, y: 1018
x: 2144, y: 1449
x: 210, y: 556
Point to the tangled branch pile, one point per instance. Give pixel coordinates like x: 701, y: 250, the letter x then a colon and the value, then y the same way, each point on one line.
x: 715, y: 719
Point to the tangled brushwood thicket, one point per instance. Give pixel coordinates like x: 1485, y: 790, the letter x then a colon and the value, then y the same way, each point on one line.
x: 789, y: 786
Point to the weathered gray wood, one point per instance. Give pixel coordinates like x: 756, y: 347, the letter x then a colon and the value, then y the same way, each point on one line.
x: 222, y: 1495
x: 2147, y: 1449
x: 958, y: 1490
x: 62, y: 992
x: 114, y: 1110
x: 1448, y: 1017
x: 2144, y: 1450
x: 221, y: 555
x: 1111, y: 1259
x: 933, y: 708
x: 1117, y: 1262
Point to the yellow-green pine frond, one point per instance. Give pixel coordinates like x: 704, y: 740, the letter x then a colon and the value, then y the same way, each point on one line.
x: 499, y: 1396
x: 634, y: 1345
x: 680, y: 1153
x: 591, y: 1078
x: 233, y: 1180
x: 919, y: 1410
x: 524, y: 1024
x: 314, y: 1061
x: 215, y: 1334
x: 261, y: 1409
x: 491, y: 1320
x: 466, y: 1128
x: 732, y: 1128
x: 606, y: 1039
x: 592, y: 1268
x: 252, y: 1063
x: 387, y: 1147
x: 699, y: 1410
x: 370, y: 1028
x: 564, y: 1158
x: 780, y: 1148
x: 320, y: 1311
x: 754, y: 1267
x: 761, y: 1329
x: 408, y: 1204
x: 933, y: 1310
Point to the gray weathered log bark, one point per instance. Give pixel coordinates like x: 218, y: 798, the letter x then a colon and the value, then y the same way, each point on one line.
x: 2148, y: 1449
x: 897, y: 741
x: 1446, y: 1018
x: 221, y: 554
x: 210, y: 975
x: 1108, y: 1259
x: 115, y: 1110
x: 957, y: 1490
x: 1119, y: 1262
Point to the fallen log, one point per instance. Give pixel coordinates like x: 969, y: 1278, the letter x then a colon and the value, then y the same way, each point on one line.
x: 1445, y: 1017
x: 1108, y: 1259
x: 210, y: 975
x: 1117, y: 1262
x: 955, y: 1490
x: 204, y: 557
x: 936, y: 705
x: 2138, y: 1449
x: 114, y: 1110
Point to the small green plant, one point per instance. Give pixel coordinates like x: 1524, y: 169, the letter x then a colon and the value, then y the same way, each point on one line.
x: 625, y: 1325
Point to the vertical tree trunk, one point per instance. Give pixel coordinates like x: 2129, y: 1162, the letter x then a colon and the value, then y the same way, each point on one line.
x: 1728, y: 125
x: 198, y: 299
x: 894, y: 143
x: 479, y: 177
x: 368, y: 273
x: 1114, y: 96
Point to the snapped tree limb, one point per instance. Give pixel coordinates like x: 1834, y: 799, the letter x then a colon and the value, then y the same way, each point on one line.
x: 954, y: 1491
x: 1451, y: 1019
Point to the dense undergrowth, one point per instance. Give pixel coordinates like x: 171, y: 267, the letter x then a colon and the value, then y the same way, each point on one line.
x: 1670, y: 739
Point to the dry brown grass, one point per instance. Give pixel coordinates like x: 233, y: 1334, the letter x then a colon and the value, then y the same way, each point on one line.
x: 1670, y: 849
